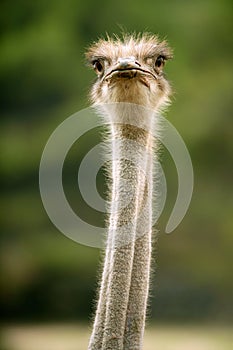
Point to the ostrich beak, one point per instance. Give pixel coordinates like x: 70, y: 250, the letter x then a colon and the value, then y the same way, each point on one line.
x: 128, y: 62
x: 127, y: 67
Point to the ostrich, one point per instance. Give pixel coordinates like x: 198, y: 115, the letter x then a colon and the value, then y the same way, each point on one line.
x: 130, y: 87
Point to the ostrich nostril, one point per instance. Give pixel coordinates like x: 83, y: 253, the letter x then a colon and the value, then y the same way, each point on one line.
x: 136, y: 62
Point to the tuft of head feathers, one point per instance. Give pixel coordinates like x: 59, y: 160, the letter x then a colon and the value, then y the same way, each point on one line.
x: 142, y: 45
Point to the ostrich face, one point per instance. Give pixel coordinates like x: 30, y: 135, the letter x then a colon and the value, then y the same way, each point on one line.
x: 130, y: 70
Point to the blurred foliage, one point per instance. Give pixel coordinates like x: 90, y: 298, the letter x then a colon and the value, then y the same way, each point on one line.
x: 43, y: 79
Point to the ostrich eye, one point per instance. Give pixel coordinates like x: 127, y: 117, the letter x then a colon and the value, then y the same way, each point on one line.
x: 160, y: 61
x: 98, y: 66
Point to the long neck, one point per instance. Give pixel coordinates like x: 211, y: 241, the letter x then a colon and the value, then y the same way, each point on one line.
x: 121, y: 310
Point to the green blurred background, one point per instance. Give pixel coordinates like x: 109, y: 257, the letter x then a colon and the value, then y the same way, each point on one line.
x: 47, y: 277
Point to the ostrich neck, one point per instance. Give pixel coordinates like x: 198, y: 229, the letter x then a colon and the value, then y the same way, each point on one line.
x: 121, y: 310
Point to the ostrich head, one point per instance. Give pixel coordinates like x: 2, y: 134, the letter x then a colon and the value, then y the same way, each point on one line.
x: 130, y: 70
